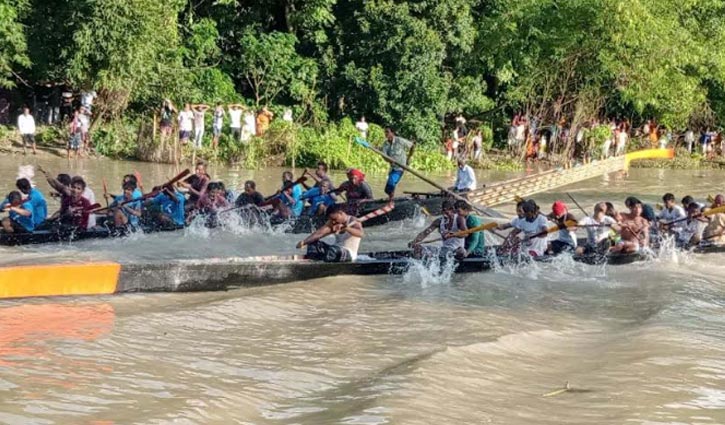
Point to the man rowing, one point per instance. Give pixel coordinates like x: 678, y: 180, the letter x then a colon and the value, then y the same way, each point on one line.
x: 447, y: 225
x: 20, y: 214
x: 291, y: 194
x: 320, y: 198
x: 475, y: 243
x: 715, y: 230
x: 598, y: 227
x: 74, y: 209
x: 565, y: 239
x: 634, y: 229
x: 125, y: 210
x: 35, y: 197
x: 397, y: 149
x: 533, y: 227
x: 168, y: 208
x: 690, y: 233
x: 356, y: 188
x: 671, y: 212
x: 348, y: 233
x: 250, y: 196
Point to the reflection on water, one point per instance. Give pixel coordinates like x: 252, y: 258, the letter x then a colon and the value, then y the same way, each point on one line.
x: 640, y: 344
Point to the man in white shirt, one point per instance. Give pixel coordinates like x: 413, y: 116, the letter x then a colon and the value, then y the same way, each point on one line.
x: 465, y: 177
x: 235, y: 118
x: 362, y: 127
x: 534, y: 228
x: 598, y: 227
x: 199, y: 112
x: 186, y: 124
x: 87, y: 98
x: 85, y: 122
x: 249, y: 128
x: 689, y: 139
x: 26, y: 127
x: 671, y: 212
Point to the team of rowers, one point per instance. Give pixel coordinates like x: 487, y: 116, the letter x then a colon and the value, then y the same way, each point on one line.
x: 172, y: 205
x: 608, y: 230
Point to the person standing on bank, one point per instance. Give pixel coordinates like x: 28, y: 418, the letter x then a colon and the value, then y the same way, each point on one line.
x: 26, y: 127
x: 396, y: 148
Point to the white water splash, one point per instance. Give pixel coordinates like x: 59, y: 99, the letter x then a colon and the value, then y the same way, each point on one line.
x: 431, y: 271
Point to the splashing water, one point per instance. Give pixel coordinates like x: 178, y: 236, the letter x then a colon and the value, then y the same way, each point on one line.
x: 430, y: 271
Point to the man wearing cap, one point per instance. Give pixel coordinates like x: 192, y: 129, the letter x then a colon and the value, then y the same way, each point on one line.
x: 396, y: 148
x: 565, y: 239
x: 356, y: 188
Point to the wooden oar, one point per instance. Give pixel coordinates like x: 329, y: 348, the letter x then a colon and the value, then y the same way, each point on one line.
x: 364, y: 143
x: 380, y: 211
x: 463, y: 233
x: 151, y: 194
x: 707, y: 213
x: 552, y: 229
x: 577, y: 204
x: 138, y: 179
x: 105, y: 191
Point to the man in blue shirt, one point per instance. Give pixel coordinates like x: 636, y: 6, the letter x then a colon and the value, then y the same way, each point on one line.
x: 20, y: 214
x: 171, y: 205
x: 320, y: 198
x: 292, y: 197
x: 125, y: 212
x: 36, y: 199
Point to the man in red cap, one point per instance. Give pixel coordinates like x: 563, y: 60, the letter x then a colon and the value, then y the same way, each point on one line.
x: 356, y: 188
x: 565, y: 239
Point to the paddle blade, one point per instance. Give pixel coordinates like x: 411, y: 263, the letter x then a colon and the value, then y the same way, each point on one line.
x: 713, y: 211
x: 361, y: 141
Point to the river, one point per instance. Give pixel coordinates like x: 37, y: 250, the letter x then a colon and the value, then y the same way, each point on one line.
x: 639, y: 344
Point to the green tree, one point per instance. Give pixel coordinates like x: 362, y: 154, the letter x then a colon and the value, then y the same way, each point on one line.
x: 13, y: 47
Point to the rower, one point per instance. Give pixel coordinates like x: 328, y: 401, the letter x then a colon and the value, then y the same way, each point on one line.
x: 635, y: 228
x: 348, y: 233
x: 291, y: 194
x: 565, y: 239
x: 130, y: 178
x: 715, y: 230
x: 691, y: 232
x: 356, y: 188
x: 519, y: 215
x: 319, y: 197
x: 250, y: 196
x: 197, y: 186
x: 475, y: 243
x: 447, y: 224
x: 62, y: 184
x: 213, y: 199
x: 532, y: 226
x: 126, y: 208
x: 687, y: 200
x: 671, y: 212
x: 598, y: 228
x: 170, y: 204
x: 20, y: 214
x: 36, y: 198
x: 465, y: 178
x: 396, y: 148
x: 321, y: 174
x: 74, y: 208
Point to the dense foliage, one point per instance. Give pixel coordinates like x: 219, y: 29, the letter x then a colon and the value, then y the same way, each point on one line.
x: 409, y: 63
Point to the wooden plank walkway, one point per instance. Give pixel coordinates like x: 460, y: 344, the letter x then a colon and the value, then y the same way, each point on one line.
x: 507, y: 191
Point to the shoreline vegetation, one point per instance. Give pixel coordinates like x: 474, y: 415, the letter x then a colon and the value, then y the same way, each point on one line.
x: 290, y: 144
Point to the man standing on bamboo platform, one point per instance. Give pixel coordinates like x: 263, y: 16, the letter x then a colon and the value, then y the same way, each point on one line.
x: 396, y: 148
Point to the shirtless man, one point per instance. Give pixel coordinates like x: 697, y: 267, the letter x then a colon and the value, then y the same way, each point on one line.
x: 635, y: 229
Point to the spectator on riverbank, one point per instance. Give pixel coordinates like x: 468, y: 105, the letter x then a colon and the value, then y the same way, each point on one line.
x: 263, y: 119
x: 167, y: 116
x: 199, y: 112
x: 217, y: 124
x: 235, y: 118
x: 186, y: 120
x: 85, y: 120
x: 362, y: 127
x: 287, y: 116
x: 26, y: 127
x: 249, y: 129
x: 76, y: 135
